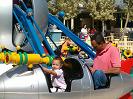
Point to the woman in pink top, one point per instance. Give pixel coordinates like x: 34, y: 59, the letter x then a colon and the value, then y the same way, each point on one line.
x: 107, y: 60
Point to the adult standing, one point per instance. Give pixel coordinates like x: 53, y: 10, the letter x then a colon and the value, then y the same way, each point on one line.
x: 87, y: 38
x: 93, y: 30
x: 84, y: 29
x: 83, y: 33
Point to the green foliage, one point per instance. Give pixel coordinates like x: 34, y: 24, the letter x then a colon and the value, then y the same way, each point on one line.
x: 101, y: 9
x: 128, y: 8
x: 70, y: 7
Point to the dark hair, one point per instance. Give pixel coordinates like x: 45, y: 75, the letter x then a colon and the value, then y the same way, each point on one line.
x: 60, y: 59
x: 98, y: 37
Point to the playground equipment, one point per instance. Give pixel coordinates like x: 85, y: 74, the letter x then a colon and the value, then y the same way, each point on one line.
x: 20, y: 83
x: 10, y: 33
x: 127, y: 53
x: 24, y: 58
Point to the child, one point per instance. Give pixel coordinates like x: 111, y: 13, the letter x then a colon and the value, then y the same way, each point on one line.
x: 67, y: 43
x: 57, y: 76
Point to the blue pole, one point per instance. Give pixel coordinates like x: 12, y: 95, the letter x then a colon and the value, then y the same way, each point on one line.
x: 85, y: 47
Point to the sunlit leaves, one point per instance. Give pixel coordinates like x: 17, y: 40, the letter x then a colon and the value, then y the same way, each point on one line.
x: 70, y: 7
x: 128, y: 8
x: 101, y: 9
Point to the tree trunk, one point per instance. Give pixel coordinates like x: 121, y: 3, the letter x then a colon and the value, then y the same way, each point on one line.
x: 72, y: 23
x: 67, y: 24
x: 102, y: 27
x: 124, y: 30
x: 127, y: 19
x: 92, y: 23
x: 121, y: 29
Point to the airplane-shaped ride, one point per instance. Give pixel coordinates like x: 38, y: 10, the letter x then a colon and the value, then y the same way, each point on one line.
x: 22, y: 23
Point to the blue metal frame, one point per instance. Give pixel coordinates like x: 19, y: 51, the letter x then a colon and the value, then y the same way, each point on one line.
x: 28, y: 23
x: 48, y: 35
x: 85, y: 47
x: 28, y: 38
x: 45, y: 42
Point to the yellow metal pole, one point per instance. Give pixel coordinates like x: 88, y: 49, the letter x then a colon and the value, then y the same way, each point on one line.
x: 30, y: 59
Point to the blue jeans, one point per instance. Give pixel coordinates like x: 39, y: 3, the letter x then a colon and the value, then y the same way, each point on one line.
x: 100, y: 79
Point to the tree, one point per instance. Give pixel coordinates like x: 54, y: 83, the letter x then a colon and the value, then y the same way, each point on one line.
x: 128, y: 9
x: 70, y: 7
x: 101, y: 10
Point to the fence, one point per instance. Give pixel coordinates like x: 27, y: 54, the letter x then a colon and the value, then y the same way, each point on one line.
x: 121, y: 44
x: 124, y: 44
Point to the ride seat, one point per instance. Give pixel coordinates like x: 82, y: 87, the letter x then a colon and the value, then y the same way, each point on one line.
x: 73, y: 72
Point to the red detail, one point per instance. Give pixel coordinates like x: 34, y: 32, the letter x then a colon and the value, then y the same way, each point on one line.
x: 7, y: 58
x: 126, y: 65
x: 45, y: 50
x: 127, y: 96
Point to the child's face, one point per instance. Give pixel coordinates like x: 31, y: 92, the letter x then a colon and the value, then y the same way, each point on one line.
x: 56, y: 64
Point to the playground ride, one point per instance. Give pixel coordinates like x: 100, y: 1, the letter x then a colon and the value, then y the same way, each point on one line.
x: 72, y: 48
x: 114, y: 44
x: 24, y: 58
x: 69, y: 49
x: 127, y: 53
x: 2, y: 57
x: 20, y: 83
x: 10, y: 33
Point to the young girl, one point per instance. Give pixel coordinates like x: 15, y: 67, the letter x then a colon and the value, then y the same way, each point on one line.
x: 57, y: 76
